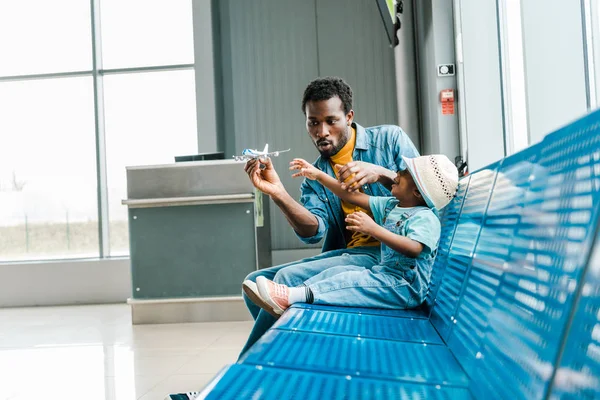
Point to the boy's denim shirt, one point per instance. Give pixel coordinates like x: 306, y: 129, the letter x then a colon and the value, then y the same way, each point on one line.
x: 382, y: 145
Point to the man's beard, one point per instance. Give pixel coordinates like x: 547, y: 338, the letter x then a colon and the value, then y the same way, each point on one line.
x: 327, y: 154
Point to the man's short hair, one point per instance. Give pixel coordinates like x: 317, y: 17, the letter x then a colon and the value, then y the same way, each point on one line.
x: 326, y: 88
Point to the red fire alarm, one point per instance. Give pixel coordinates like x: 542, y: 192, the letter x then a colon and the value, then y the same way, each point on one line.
x: 447, y: 100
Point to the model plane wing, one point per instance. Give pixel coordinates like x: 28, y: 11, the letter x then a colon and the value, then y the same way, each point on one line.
x: 252, y: 154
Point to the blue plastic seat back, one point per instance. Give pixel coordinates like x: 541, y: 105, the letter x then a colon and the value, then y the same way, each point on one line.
x: 462, y: 246
x: 491, y: 254
x: 548, y: 252
x: 449, y: 221
x: 578, y: 376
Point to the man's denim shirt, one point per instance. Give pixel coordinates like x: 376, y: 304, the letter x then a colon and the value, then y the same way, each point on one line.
x: 381, y: 145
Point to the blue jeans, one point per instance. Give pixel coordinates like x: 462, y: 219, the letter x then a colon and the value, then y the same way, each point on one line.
x: 297, y: 272
x: 357, y: 286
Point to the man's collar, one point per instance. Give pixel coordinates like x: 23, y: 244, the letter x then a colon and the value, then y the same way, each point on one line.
x: 361, y: 137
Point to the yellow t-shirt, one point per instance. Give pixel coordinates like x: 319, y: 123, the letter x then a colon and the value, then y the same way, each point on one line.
x: 343, y: 157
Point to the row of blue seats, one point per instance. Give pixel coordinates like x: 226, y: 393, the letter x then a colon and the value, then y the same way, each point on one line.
x: 513, y: 310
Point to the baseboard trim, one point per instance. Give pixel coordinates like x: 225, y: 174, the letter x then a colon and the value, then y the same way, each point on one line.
x: 202, y: 309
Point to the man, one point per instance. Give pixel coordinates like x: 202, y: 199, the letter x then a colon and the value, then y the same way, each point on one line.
x: 370, y: 158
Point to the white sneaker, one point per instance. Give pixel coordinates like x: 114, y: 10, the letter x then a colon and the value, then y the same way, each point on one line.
x: 251, y: 290
x: 276, y: 295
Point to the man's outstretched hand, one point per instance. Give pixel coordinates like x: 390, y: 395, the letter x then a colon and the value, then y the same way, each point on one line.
x: 266, y: 180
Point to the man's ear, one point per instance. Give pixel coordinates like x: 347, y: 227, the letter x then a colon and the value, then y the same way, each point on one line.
x: 349, y: 117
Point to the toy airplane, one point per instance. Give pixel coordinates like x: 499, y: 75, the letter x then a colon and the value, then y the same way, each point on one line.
x: 252, y: 154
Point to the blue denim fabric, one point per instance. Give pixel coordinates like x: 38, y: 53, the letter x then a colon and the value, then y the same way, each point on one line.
x: 295, y: 273
x: 381, y: 145
x: 415, y: 271
x: 398, y: 282
x: 356, y: 286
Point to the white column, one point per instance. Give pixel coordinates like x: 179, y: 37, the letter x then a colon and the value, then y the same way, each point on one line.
x: 206, y: 110
x: 554, y: 64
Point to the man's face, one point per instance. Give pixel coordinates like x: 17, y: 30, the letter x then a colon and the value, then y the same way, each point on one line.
x: 328, y: 125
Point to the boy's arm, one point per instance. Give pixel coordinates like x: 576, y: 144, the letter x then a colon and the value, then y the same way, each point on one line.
x: 358, y: 173
x: 422, y: 234
x: 361, y: 222
x: 311, y: 172
x: 356, y: 198
x: 401, y: 244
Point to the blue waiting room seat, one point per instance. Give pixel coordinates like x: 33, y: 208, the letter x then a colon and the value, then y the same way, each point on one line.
x: 513, y: 310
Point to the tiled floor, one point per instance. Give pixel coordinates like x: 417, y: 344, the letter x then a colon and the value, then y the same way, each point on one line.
x: 93, y: 352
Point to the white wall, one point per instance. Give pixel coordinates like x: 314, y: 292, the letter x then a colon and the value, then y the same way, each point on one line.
x: 48, y: 283
x: 65, y: 282
x: 554, y: 64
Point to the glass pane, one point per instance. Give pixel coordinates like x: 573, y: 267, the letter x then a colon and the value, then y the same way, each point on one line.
x: 515, y: 76
x: 141, y: 33
x: 150, y: 118
x: 48, y: 200
x: 39, y: 36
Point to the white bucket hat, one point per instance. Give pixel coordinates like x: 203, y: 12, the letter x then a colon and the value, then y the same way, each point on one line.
x: 436, y: 178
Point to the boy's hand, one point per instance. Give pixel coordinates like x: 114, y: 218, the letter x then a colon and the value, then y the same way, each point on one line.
x: 360, y: 222
x: 306, y: 169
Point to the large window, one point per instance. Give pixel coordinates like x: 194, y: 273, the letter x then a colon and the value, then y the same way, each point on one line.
x: 141, y: 33
x: 48, y: 201
x: 150, y: 117
x: 40, y: 37
x: 68, y: 123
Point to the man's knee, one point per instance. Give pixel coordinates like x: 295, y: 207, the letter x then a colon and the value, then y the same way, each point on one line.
x: 268, y: 273
x: 288, y: 277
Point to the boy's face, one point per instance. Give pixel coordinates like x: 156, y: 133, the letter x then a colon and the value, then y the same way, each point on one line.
x: 328, y: 125
x: 405, y: 189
